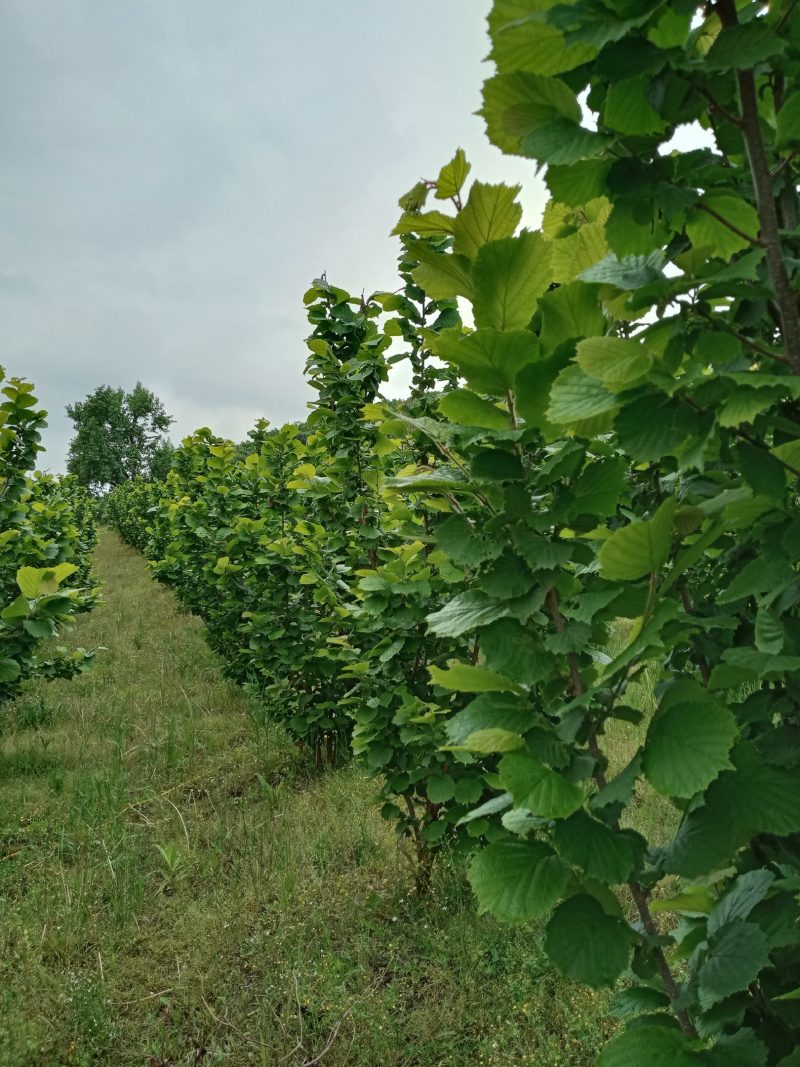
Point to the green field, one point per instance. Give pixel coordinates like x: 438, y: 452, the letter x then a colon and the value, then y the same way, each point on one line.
x: 179, y: 887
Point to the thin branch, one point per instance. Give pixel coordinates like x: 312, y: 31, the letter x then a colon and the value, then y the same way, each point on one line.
x: 732, y: 226
x: 765, y: 200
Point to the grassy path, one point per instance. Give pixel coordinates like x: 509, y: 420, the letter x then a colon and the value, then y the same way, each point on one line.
x: 175, y: 888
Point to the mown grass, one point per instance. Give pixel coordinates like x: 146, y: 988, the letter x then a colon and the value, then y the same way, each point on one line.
x: 176, y: 887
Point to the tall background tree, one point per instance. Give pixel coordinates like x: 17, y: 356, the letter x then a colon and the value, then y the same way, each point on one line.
x: 119, y: 436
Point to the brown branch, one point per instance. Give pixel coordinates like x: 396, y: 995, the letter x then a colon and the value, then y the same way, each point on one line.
x: 731, y: 226
x: 765, y: 200
x: 755, y: 345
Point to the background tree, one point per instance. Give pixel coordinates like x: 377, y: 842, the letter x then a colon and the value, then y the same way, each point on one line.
x: 119, y: 436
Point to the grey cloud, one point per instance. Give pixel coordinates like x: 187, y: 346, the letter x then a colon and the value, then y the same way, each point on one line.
x: 175, y: 173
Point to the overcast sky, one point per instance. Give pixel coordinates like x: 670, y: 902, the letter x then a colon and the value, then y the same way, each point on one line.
x: 175, y: 172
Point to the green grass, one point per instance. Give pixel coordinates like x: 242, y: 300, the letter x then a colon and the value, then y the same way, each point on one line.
x: 177, y: 888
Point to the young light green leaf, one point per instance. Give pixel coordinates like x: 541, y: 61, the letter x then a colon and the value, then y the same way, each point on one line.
x: 641, y: 547
x: 509, y: 277
x: 490, y: 214
x: 466, y: 678
x: 616, y: 362
x: 452, y: 176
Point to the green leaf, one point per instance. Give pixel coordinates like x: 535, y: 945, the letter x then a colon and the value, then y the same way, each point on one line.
x: 515, y: 651
x: 599, y: 851
x: 490, y: 214
x: 638, y: 1000
x: 463, y: 544
x: 488, y: 712
x: 641, y: 547
x: 441, y: 274
x: 563, y: 142
x: 626, y: 272
x: 489, y: 359
x: 467, y: 409
x: 536, y: 787
x: 741, y: 47
x: 705, y: 230
x: 616, y: 362
x: 9, y: 669
x: 518, y: 102
x: 788, y: 120
x: 568, y: 312
x: 528, y: 43
x: 452, y: 176
x: 587, y: 944
x: 649, y: 1046
x: 29, y: 580
x: 748, y: 890
x: 507, y: 578
x: 598, y: 487
x: 466, y: 678
x: 687, y: 746
x: 517, y: 880
x: 578, y: 183
x: 496, y: 465
x: 424, y: 224
x: 737, y: 953
x: 440, y: 788
x: 762, y: 471
x: 628, y: 110
x: 510, y: 276
x: 770, y: 635
x: 465, y: 612
x: 576, y: 398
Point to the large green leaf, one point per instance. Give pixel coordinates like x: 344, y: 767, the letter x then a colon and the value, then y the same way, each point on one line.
x: 598, y: 487
x: 532, y: 44
x: 489, y: 359
x: 641, y: 547
x: 515, y: 651
x: 616, y: 362
x: 649, y: 1046
x: 736, y: 955
x: 490, y: 214
x: 748, y: 890
x: 9, y: 669
x: 514, y: 104
x: 468, y: 409
x: 441, y: 274
x: 687, y: 747
x: 628, y: 110
x: 489, y: 711
x: 466, y: 612
x: 536, y: 787
x: 517, y: 880
x: 707, y: 227
x: 509, y: 277
x: 576, y: 398
x: 601, y: 852
x: 586, y: 943
x: 568, y: 312
x: 464, y: 544
x: 563, y: 142
x: 466, y: 678
x: 743, y: 46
